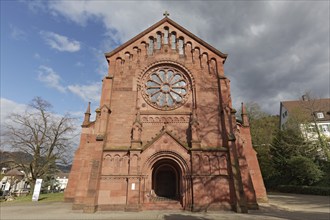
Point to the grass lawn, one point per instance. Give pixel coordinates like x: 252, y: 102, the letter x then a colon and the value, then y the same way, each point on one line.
x: 50, y: 197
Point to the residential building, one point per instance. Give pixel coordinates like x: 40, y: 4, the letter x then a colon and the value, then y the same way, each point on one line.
x: 15, y: 183
x: 61, y: 181
x: 312, y: 115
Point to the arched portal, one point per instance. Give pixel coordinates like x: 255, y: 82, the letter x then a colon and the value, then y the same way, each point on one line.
x: 166, y: 179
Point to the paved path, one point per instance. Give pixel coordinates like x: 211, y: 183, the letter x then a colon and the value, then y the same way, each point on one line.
x: 280, y: 206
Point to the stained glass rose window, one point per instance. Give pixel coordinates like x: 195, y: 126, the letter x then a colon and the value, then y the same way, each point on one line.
x: 165, y: 88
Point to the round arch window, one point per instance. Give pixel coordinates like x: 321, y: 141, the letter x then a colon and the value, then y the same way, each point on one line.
x: 165, y: 88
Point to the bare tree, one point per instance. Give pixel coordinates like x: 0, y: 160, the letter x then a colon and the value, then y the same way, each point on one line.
x: 253, y: 111
x: 42, y: 136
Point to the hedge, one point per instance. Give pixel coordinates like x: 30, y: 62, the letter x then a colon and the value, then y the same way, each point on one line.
x: 312, y: 190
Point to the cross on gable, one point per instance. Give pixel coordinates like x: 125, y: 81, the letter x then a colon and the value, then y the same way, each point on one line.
x: 166, y: 14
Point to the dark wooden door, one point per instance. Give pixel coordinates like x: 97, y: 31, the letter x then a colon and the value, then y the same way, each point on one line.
x: 166, y: 184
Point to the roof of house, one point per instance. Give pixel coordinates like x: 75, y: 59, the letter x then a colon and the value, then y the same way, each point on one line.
x: 168, y: 20
x: 62, y: 175
x: 310, y: 107
x: 14, y: 172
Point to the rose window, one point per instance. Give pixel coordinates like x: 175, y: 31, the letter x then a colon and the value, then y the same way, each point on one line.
x: 165, y: 88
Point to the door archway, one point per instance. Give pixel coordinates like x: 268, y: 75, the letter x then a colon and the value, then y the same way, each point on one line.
x: 166, y: 179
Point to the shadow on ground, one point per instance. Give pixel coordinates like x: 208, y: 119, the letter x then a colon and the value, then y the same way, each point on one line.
x: 278, y: 212
x: 183, y: 217
x: 318, y: 203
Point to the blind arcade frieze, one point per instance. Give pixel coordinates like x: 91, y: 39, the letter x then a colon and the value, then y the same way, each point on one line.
x: 165, y: 119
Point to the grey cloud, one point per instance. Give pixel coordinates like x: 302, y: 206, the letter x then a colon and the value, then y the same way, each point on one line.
x: 290, y: 56
x: 277, y: 49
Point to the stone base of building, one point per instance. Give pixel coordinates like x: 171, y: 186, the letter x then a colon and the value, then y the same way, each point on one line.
x: 132, y: 208
x: 111, y: 207
x: 68, y: 199
x: 253, y: 206
x: 90, y: 208
x: 263, y: 199
x: 77, y: 206
x: 213, y: 207
x: 170, y: 205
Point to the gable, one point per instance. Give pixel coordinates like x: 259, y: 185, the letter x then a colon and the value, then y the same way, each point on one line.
x: 142, y: 40
x: 166, y: 141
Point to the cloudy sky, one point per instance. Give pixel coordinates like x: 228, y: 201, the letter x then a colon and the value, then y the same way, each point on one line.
x: 54, y: 49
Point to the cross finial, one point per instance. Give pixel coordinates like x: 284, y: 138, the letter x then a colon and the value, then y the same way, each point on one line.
x: 166, y: 14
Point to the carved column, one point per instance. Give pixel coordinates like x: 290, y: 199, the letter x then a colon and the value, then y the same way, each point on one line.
x: 136, y: 142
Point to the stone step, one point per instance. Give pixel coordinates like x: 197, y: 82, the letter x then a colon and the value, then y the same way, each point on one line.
x: 162, y: 205
x: 132, y: 208
x: 164, y: 199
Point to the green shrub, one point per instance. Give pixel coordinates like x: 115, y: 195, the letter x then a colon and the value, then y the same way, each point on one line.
x: 311, y: 190
x: 304, y: 171
x: 325, y: 167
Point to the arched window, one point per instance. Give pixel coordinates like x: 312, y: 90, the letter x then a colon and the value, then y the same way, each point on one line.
x: 173, y: 40
x: 151, y: 46
x: 166, y: 35
x: 181, y: 51
x: 166, y: 88
x: 159, y: 40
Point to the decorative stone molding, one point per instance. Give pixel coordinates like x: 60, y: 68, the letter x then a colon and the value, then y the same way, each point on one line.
x: 99, y: 137
x: 165, y: 119
x: 231, y: 137
x: 136, y: 131
x: 165, y: 86
x: 168, y: 154
x: 119, y: 177
x: 170, y: 62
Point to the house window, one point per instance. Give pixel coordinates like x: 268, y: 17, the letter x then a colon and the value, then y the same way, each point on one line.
x: 325, y: 128
x: 319, y: 115
x: 311, y: 128
x: 284, y: 114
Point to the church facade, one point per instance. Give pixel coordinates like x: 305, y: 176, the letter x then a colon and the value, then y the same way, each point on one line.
x: 165, y: 134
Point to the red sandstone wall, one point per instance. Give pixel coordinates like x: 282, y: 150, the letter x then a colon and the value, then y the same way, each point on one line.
x: 250, y: 167
x: 110, y: 184
x: 126, y: 75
